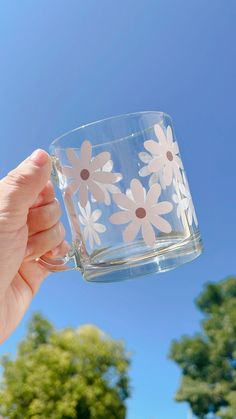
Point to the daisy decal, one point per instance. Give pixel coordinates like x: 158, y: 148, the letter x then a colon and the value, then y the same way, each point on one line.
x: 91, y: 227
x: 87, y: 175
x: 165, y: 160
x: 141, y: 211
x: 182, y: 198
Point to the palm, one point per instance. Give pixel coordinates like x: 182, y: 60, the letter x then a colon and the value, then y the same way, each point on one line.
x: 40, y: 233
x: 19, y: 294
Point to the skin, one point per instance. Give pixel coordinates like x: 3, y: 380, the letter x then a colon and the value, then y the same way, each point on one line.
x: 29, y: 228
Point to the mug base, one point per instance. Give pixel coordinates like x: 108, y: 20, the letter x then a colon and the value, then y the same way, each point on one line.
x: 156, y: 261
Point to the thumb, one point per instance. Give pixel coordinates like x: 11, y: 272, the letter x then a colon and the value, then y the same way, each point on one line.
x: 20, y: 188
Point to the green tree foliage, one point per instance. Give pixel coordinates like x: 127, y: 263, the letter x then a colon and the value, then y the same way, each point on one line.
x: 208, y: 360
x: 65, y: 374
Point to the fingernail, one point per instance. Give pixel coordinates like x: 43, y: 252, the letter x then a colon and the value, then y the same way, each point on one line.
x: 40, y: 157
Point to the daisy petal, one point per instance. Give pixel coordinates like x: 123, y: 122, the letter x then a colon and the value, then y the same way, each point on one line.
x: 153, y: 195
x: 145, y: 157
x: 86, y: 151
x: 108, y: 166
x: 83, y: 195
x: 190, y: 216
x: 96, y: 237
x: 176, y: 185
x: 160, y: 134
x: 72, y: 157
x: 175, y: 147
x: 185, y: 181
x: 99, y: 227
x: 162, y: 208
x: 96, y: 215
x: 180, y: 211
x: 162, y: 182
x: 104, y: 187
x: 177, y: 172
x: 82, y: 210
x: 113, y: 189
x: 88, y: 209
x: 153, y: 179
x: 138, y: 191
x: 104, y: 177
x: 168, y: 174
x: 153, y: 147
x: 156, y: 164
x: 107, y: 200
x: 131, y: 231
x: 144, y: 171
x: 175, y: 198
x: 182, y: 189
x: 121, y: 217
x: 169, y: 135
x: 129, y: 194
x: 96, y: 191
x: 179, y: 162
x: 91, y: 239
x: 100, y: 160
x: 119, y: 176
x: 73, y: 187
x: 148, y: 233
x: 185, y: 203
x: 123, y: 201
x: 144, y: 193
x: 160, y: 223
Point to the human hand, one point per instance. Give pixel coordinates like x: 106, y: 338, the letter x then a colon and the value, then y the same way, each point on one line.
x: 29, y: 228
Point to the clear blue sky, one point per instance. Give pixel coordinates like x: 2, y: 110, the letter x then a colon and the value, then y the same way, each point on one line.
x: 65, y: 63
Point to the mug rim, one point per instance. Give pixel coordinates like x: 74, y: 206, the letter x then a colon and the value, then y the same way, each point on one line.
x: 99, y: 121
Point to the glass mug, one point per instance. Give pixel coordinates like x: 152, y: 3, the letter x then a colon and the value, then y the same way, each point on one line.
x: 127, y: 198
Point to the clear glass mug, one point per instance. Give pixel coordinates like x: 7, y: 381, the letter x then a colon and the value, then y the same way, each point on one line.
x: 127, y: 198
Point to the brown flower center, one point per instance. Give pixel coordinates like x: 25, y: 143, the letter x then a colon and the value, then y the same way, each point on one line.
x: 84, y: 174
x: 140, y: 212
x: 169, y: 155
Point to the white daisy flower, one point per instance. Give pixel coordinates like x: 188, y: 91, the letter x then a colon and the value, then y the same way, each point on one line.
x: 141, y: 210
x: 91, y: 228
x: 86, y: 174
x: 165, y: 161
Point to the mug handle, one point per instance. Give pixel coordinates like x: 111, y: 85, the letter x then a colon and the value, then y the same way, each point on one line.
x: 72, y: 260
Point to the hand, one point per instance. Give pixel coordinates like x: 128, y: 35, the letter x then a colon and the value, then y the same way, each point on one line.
x: 29, y: 228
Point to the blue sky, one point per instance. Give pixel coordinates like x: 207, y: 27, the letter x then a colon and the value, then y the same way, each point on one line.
x: 66, y: 63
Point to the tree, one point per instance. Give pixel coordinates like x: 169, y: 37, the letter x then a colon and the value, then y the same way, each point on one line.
x: 208, y: 360
x: 65, y: 374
